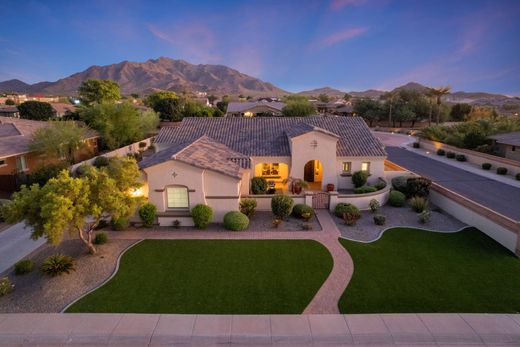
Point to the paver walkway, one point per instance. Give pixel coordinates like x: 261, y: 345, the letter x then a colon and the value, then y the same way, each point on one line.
x: 326, y: 299
x: 260, y: 330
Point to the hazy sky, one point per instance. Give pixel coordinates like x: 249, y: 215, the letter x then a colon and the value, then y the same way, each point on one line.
x: 472, y: 45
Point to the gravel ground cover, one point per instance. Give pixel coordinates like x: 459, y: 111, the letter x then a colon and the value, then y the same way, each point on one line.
x: 35, y: 292
x: 366, y: 230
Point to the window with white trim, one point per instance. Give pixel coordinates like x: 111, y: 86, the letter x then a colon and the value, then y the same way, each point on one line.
x: 2, y: 162
x: 21, y: 163
x: 177, y: 197
x: 347, y: 166
x: 365, y: 166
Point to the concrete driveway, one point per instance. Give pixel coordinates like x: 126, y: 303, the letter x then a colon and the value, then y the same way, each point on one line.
x: 495, y: 195
x: 15, y: 244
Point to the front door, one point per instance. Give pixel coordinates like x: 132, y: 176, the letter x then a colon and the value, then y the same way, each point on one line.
x: 308, y: 172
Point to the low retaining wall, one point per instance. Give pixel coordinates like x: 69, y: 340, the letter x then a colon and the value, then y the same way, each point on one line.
x: 500, y: 228
x: 474, y: 157
x: 263, y: 201
x: 361, y: 201
x: 120, y: 152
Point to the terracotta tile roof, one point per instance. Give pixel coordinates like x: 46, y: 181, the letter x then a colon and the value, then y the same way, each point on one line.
x: 204, y: 153
x: 234, y: 107
x: 304, y: 128
x: 268, y: 136
x: 512, y: 139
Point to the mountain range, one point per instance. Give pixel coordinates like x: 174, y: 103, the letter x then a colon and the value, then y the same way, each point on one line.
x: 181, y: 76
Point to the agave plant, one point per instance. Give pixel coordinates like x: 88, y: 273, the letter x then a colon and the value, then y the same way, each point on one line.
x: 58, y: 264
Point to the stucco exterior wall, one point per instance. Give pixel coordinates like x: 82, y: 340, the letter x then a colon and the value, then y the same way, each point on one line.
x: 314, y: 146
x: 220, y: 192
x: 377, y: 170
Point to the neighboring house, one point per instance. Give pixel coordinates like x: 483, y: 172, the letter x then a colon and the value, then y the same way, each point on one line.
x: 254, y: 108
x: 346, y: 110
x: 212, y: 160
x: 332, y: 107
x: 9, y: 111
x: 62, y: 109
x: 17, y: 161
x: 507, y: 145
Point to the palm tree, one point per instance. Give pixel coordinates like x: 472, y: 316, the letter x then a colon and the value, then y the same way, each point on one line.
x: 438, y: 93
x: 428, y: 93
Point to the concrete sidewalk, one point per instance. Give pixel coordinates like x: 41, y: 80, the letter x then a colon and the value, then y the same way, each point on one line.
x: 15, y: 244
x: 260, y: 330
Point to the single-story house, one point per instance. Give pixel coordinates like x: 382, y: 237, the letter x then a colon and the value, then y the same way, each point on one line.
x: 16, y: 159
x: 212, y: 160
x: 9, y: 111
x: 507, y: 145
x: 254, y: 108
x: 62, y: 109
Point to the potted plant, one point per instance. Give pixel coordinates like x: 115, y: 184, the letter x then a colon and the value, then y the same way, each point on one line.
x: 330, y: 187
x: 296, y: 184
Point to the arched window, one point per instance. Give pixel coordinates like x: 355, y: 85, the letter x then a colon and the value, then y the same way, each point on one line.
x: 177, y: 197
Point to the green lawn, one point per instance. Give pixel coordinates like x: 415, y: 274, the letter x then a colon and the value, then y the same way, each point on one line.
x: 214, y: 277
x: 410, y: 270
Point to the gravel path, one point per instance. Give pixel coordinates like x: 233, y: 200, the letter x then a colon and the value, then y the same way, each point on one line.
x: 365, y: 229
x: 35, y: 292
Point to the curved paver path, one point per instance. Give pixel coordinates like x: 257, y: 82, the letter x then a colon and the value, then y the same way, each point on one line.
x: 326, y: 299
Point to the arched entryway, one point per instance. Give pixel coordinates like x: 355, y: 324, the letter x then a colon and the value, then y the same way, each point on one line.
x: 313, y: 173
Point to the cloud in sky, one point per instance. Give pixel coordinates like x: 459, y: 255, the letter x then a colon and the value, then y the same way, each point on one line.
x: 337, y: 5
x: 338, y: 37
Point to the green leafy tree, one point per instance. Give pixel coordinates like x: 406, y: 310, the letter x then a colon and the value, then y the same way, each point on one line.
x: 10, y: 102
x: 36, y: 110
x: 59, y: 141
x: 99, y: 91
x: 169, y: 109
x: 347, y: 97
x: 119, y: 124
x: 460, y: 111
x: 323, y: 98
x: 437, y: 94
x: 153, y: 99
x: 298, y: 106
x: 370, y: 110
x: 66, y: 204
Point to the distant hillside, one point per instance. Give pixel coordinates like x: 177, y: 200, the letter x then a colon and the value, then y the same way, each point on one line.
x: 325, y: 90
x: 370, y: 93
x: 162, y: 73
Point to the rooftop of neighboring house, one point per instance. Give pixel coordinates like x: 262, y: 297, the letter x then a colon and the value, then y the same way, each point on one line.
x: 270, y: 136
x: 61, y: 108
x: 235, y: 107
x: 16, y: 133
x: 8, y: 109
x: 512, y: 139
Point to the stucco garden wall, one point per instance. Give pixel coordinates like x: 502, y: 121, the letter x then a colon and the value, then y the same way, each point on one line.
x: 263, y: 201
x: 361, y: 201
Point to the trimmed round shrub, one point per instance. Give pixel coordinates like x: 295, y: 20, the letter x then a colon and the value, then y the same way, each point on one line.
x: 379, y: 219
x: 486, y: 166
x: 6, y: 286
x: 416, y: 145
x: 100, y: 162
x: 450, y: 155
x: 259, y: 185
x: 396, y: 199
x: 365, y: 190
x: 417, y: 186
x: 460, y: 157
x: 82, y: 170
x: 340, y: 209
x: 418, y: 203
x: 23, y: 266
x: 380, y: 185
x: 282, y: 206
x: 517, y: 176
x: 351, y: 214
x: 300, y: 209
x: 119, y: 224
x: 501, y: 170
x: 400, y: 183
x: 441, y: 152
x: 248, y: 206
x: 374, y: 205
x: 101, y: 238
x: 58, y: 264
x: 359, y: 178
x: 202, y: 216
x: 236, y: 221
x: 147, y: 213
